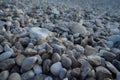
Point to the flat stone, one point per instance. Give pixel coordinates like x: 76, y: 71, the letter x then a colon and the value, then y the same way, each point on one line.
x: 111, y: 67
x: 28, y: 63
x: 66, y: 61
x: 5, y: 55
x: 14, y: 76
x: 62, y: 73
x: 19, y: 59
x: 39, y: 33
x: 94, y: 60
x: 55, y: 68
x: 89, y: 50
x: 28, y: 75
x: 7, y: 64
x: 102, y: 71
x: 37, y: 69
x: 4, y: 75
x: 78, y: 28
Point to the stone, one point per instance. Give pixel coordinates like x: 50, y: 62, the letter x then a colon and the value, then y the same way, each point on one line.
x: 116, y: 63
x: 111, y: 67
x: 27, y: 75
x: 75, y: 72
x: 56, y: 57
x: 30, y: 51
x: 37, y: 69
x: 7, y: 48
x: 1, y: 49
x: 7, y: 64
x: 46, y: 65
x: 55, y: 68
x: 39, y: 33
x: 79, y: 48
x: 102, y: 71
x: 108, y: 56
x: 118, y: 76
x: 85, y: 69
x: 78, y: 28
x: 28, y: 63
x: 48, y: 78
x: 91, y: 74
x: 114, y: 38
x: 39, y: 77
x: 14, y: 76
x: 66, y: 61
x: 89, y: 50
x: 39, y: 59
x: 65, y: 79
x: 55, y: 11
x: 4, y: 75
x: 1, y: 23
x: 5, y: 55
x: 19, y: 59
x: 94, y: 60
x: 62, y: 73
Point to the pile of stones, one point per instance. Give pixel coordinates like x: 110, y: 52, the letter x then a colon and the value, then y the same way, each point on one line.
x: 52, y: 42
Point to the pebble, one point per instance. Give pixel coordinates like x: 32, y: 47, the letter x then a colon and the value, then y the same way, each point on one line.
x: 1, y: 49
x: 108, y: 56
x: 79, y: 48
x: 89, y: 50
x: 4, y: 75
x: 62, y: 73
x: 111, y: 67
x: 55, y: 11
x: 102, y: 71
x: 46, y: 65
x: 37, y: 69
x: 48, y: 78
x: 5, y: 55
x: 56, y: 57
x: 28, y: 63
x: 66, y: 61
x: 39, y: 33
x: 14, y: 76
x: 19, y: 59
x: 30, y: 51
x: 94, y: 60
x: 114, y: 38
x: 39, y: 59
x: 91, y: 74
x: 27, y: 75
x: 78, y: 28
x: 7, y: 64
x: 116, y: 63
x: 75, y: 72
x: 55, y: 68
x: 39, y: 77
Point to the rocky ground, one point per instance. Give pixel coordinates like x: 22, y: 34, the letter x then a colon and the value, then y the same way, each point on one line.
x: 51, y: 42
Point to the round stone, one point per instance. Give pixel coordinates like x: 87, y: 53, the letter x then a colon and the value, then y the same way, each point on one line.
x: 4, y: 75
x: 46, y: 65
x: 55, y: 68
x: 62, y: 73
x: 14, y: 76
x: 30, y: 51
x: 56, y: 57
x: 19, y: 59
x: 37, y: 69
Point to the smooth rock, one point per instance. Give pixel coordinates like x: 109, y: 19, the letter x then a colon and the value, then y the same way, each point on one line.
x: 89, y: 50
x: 102, y: 71
x: 4, y: 75
x: 78, y: 28
x: 40, y: 77
x: 19, y: 59
x: 5, y: 55
x: 46, y: 65
x: 39, y: 33
x: 79, y: 48
x: 55, y: 11
x: 14, y: 76
x: 118, y: 76
x: 91, y: 74
x: 85, y: 69
x: 37, y: 69
x: 55, y: 68
x: 48, y: 78
x: 111, y: 67
x: 108, y: 56
x: 30, y: 51
x: 66, y: 61
x: 7, y: 64
x: 56, y: 57
x: 28, y: 75
x: 28, y: 63
x: 39, y: 59
x: 116, y: 63
x: 114, y: 38
x: 94, y: 60
x: 1, y: 23
x: 62, y: 73
x: 7, y: 48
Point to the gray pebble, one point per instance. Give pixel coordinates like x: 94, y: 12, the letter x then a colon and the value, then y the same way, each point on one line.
x: 14, y: 76
x: 56, y: 57
x: 48, y: 78
x: 4, y: 75
x: 37, y: 69
x: 62, y: 73
x: 5, y: 55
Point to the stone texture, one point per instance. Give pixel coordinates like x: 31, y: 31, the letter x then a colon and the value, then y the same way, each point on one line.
x: 89, y: 50
x: 14, y: 76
